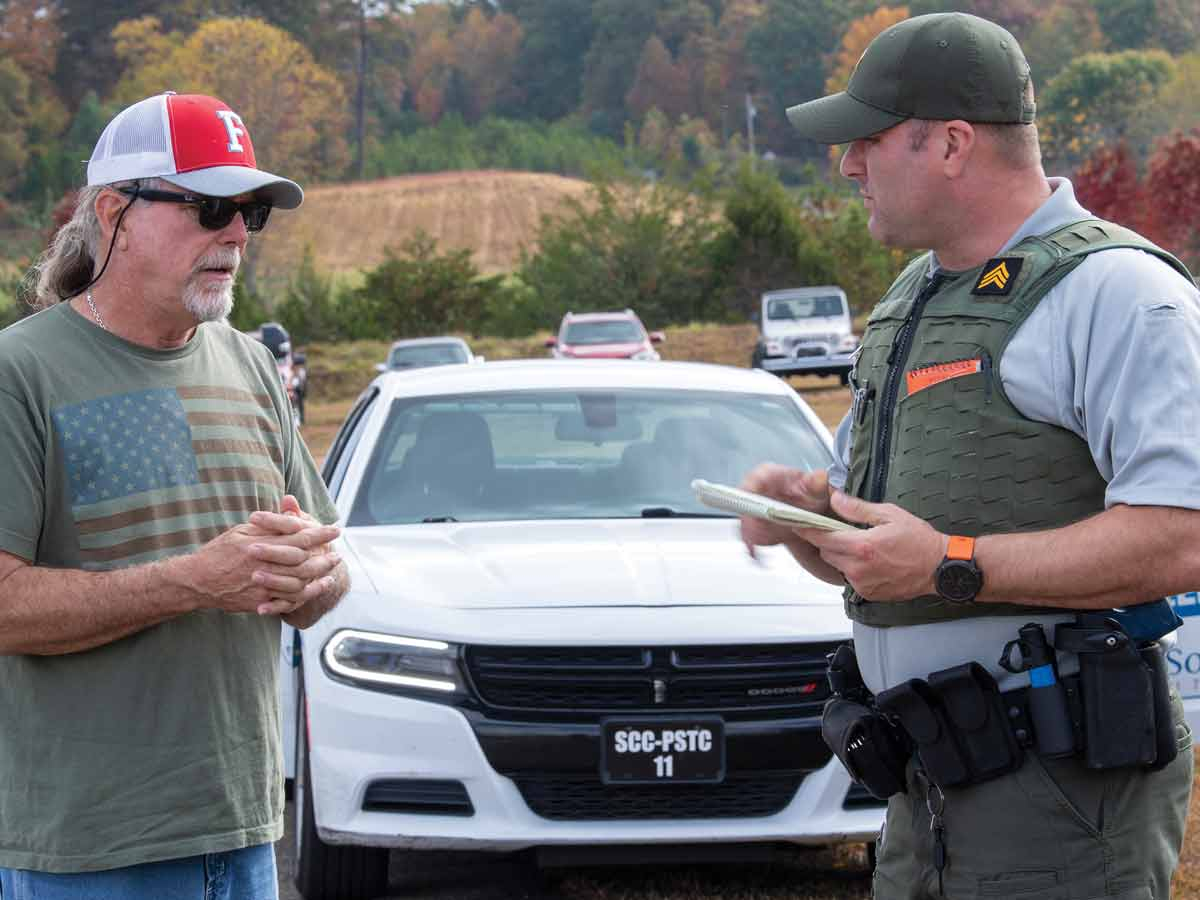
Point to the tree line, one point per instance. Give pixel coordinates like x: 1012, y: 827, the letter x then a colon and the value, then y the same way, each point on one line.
x: 333, y: 86
x: 341, y: 89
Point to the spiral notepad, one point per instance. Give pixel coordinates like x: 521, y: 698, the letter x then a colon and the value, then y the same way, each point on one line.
x: 744, y: 503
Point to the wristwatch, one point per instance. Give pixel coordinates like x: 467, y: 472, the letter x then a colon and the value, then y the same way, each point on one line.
x: 958, y: 579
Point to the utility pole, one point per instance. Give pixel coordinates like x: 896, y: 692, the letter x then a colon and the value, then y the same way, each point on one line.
x: 751, y: 114
x: 360, y: 156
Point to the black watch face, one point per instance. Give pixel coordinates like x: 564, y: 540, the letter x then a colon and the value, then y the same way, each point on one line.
x: 958, y: 580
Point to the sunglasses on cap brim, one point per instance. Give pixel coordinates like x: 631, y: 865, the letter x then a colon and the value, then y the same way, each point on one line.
x: 215, y: 212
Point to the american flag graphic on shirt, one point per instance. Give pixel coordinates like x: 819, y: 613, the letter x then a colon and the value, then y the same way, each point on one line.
x: 162, y: 471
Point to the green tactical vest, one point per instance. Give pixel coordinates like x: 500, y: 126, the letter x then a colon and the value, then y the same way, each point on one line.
x: 934, y: 432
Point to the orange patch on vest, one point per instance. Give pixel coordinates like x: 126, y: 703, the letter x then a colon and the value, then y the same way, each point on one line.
x: 919, y: 379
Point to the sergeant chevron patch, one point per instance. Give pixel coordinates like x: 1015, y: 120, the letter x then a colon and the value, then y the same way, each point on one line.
x: 998, y: 276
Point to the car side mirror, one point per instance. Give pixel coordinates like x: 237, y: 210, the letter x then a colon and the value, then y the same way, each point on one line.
x: 657, y: 337
x: 381, y: 367
x: 551, y: 342
x: 299, y: 357
x: 479, y: 359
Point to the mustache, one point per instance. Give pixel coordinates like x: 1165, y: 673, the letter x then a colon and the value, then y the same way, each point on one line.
x: 227, y: 258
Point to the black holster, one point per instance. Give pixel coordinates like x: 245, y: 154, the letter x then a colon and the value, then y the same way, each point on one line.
x: 957, y: 719
x: 870, y: 746
x: 1125, y: 694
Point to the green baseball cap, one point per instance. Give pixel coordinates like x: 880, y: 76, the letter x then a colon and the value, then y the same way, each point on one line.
x: 941, y: 66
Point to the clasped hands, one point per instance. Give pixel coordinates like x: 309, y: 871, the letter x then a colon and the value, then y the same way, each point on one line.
x: 893, y: 558
x: 274, y: 564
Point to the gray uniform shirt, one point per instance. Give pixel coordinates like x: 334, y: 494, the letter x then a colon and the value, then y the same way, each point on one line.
x: 1112, y: 353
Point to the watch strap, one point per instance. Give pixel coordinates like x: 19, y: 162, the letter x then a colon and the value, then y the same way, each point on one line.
x: 961, y: 547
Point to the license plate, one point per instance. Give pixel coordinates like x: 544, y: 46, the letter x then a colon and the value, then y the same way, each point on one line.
x: 659, y: 751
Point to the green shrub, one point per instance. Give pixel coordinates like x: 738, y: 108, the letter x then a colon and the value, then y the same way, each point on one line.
x: 627, y: 245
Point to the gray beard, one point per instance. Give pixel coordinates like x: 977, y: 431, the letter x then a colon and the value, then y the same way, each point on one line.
x: 208, y: 304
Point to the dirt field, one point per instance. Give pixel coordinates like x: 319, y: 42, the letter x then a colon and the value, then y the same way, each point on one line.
x: 349, y: 226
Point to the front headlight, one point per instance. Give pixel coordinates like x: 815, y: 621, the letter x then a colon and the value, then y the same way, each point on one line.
x: 391, y: 661
x: 847, y: 343
x: 774, y: 348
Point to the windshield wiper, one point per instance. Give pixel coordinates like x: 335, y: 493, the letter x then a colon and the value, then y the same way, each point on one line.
x: 665, y: 512
x: 435, y: 519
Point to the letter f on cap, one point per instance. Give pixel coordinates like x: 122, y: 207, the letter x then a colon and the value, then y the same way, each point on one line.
x: 234, y: 128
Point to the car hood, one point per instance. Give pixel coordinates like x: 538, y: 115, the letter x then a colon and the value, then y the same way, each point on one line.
x: 579, y: 563
x: 602, y: 351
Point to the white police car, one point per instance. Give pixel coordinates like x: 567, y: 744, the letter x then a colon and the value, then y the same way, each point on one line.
x: 549, y: 642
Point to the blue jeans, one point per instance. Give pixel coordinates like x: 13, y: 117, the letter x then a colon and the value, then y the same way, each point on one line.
x: 247, y: 874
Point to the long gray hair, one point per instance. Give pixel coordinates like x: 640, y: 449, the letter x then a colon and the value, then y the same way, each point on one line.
x: 68, y: 264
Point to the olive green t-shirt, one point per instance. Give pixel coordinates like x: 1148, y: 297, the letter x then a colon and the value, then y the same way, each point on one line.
x: 165, y: 743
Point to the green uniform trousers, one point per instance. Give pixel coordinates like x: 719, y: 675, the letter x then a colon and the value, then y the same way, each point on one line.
x: 1052, y: 830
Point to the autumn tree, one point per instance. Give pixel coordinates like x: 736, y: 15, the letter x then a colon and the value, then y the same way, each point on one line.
x: 1107, y: 183
x: 659, y: 84
x: 1098, y: 99
x: 1066, y: 29
x: 296, y: 109
x: 1177, y: 107
x: 430, y: 66
x: 858, y: 35
x: 1173, y: 180
x: 485, y: 58
x: 611, y: 63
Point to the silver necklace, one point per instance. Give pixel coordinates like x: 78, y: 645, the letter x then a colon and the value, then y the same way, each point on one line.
x: 95, y: 312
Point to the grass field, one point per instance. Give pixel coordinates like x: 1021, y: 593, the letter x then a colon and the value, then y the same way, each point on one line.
x: 339, y: 372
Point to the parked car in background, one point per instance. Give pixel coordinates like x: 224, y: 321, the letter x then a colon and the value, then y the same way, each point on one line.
x: 604, y: 335
x: 549, y: 642
x: 805, y: 331
x: 417, y: 353
x: 290, y: 363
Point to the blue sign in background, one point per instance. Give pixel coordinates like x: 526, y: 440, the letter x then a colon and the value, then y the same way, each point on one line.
x: 1186, y: 604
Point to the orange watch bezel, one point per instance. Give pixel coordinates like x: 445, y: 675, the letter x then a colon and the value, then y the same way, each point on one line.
x: 961, y: 548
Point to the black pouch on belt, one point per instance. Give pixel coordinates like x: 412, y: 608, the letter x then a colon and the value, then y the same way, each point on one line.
x: 870, y: 747
x: 1117, y: 690
x: 972, y: 701
x: 917, y: 707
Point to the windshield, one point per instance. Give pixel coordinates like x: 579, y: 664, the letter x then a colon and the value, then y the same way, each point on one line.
x: 573, y: 455
x: 804, y: 307
x: 427, y: 355
x: 616, y: 331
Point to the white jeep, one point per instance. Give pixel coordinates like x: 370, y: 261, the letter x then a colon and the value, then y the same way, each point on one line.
x: 805, y: 331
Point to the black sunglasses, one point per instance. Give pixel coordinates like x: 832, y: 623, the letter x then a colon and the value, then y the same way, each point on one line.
x: 215, y: 212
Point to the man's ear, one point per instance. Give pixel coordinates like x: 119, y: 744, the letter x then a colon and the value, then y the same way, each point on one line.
x: 960, y: 140
x: 109, y: 204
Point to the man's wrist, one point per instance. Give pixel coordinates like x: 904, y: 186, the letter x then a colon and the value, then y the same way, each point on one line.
x: 180, y: 593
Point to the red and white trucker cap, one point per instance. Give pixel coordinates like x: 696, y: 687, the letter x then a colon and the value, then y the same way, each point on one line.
x: 191, y: 140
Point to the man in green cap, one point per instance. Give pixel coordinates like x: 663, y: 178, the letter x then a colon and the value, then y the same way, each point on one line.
x: 1020, y: 454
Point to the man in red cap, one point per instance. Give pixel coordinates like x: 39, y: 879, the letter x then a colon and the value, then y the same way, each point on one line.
x: 161, y: 518
x: 1021, y: 457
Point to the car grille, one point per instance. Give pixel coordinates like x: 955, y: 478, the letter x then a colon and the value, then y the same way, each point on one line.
x: 791, y: 343
x: 585, y: 683
x: 584, y: 797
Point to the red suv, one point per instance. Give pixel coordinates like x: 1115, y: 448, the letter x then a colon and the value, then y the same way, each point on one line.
x: 607, y: 335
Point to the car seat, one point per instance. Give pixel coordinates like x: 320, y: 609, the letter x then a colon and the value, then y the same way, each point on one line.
x: 449, y: 467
